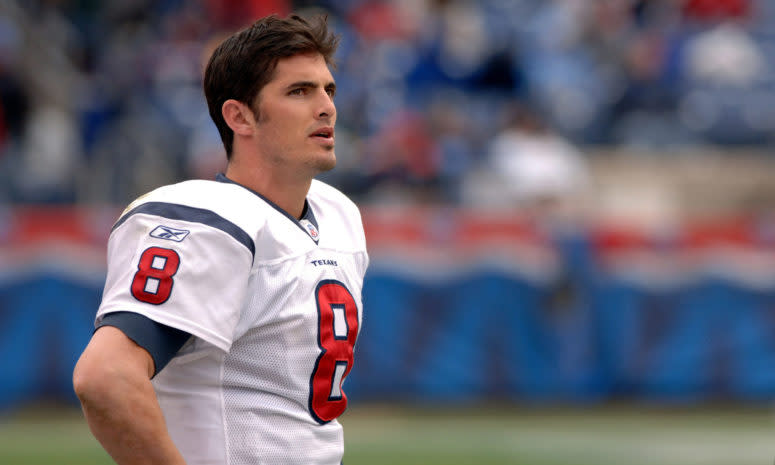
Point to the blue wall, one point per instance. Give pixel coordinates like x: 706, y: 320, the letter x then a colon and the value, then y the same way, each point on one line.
x: 584, y: 332
x: 489, y: 335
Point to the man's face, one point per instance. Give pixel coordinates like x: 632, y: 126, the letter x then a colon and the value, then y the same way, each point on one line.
x: 296, y: 117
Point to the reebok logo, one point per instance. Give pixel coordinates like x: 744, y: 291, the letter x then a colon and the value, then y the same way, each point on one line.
x: 171, y: 234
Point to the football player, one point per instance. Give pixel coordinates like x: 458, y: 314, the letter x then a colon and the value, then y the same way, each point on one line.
x: 231, y: 307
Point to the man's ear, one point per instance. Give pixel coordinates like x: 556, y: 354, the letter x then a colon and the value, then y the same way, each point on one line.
x: 238, y: 116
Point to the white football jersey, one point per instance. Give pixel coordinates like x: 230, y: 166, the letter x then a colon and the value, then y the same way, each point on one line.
x: 273, y: 303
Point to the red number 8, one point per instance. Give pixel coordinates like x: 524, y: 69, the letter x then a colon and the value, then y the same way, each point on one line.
x: 337, y: 331
x: 153, y: 281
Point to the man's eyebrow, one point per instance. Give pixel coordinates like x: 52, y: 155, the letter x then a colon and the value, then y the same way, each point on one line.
x: 311, y: 85
x: 298, y: 84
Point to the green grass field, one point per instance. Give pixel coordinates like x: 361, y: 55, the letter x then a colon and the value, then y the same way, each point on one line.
x: 471, y: 436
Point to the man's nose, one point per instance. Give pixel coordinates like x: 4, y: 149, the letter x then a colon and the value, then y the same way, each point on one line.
x: 327, y: 108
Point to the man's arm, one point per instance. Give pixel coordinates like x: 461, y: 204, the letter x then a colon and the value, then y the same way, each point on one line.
x: 112, y: 381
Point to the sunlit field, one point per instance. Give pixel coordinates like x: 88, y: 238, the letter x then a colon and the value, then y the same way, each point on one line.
x: 471, y: 436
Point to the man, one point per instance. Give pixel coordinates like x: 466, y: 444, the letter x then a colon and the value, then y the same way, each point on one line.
x: 231, y: 307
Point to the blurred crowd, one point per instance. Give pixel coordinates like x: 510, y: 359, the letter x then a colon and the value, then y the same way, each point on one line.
x: 440, y: 101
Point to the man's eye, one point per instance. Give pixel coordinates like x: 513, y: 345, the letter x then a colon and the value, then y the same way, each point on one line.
x: 299, y: 91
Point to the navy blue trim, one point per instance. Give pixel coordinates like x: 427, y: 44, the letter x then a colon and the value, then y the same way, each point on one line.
x: 175, y: 211
x: 161, y: 341
x: 307, y: 213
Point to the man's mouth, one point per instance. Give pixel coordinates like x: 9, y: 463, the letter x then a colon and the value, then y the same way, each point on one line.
x: 324, y: 133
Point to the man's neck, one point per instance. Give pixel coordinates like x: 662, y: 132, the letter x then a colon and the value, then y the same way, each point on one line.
x: 287, y: 194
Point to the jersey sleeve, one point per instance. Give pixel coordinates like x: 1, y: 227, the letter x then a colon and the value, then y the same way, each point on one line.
x: 160, y: 341
x: 180, y: 266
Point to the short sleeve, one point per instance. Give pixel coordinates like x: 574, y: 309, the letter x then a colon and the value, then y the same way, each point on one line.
x: 180, y: 266
x: 160, y: 341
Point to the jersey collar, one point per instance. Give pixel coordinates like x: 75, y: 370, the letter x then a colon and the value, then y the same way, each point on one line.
x: 307, y: 223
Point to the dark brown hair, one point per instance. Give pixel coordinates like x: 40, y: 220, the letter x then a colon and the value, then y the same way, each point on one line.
x: 245, y: 62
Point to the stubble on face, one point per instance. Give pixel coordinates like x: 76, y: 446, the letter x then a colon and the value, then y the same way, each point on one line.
x: 313, y: 162
x: 325, y: 164
x: 280, y: 154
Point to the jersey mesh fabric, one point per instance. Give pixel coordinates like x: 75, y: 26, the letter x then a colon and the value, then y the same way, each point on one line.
x: 280, y: 440
x: 267, y: 374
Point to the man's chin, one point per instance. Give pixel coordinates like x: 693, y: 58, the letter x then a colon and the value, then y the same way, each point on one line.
x: 327, y: 163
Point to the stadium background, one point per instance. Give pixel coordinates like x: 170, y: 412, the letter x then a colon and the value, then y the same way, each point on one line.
x: 568, y: 206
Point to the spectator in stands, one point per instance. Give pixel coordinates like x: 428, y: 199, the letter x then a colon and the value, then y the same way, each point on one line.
x: 404, y: 155
x: 610, y: 72
x: 14, y: 109
x: 538, y: 169
x: 725, y: 55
